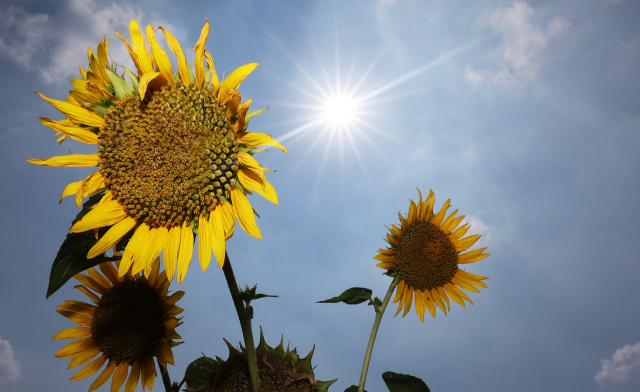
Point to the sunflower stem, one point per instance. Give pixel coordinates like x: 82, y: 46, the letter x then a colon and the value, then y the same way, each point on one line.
x: 245, y: 315
x: 374, y: 332
x: 166, y: 380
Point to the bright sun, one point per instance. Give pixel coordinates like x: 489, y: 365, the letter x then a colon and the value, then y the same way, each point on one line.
x: 339, y: 110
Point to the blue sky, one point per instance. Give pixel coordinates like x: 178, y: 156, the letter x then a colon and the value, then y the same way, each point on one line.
x: 524, y: 114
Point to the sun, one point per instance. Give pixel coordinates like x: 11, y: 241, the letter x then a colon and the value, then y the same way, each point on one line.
x: 340, y: 110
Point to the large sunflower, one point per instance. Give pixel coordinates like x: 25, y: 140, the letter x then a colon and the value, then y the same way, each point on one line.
x: 130, y: 321
x: 173, y: 154
x: 426, y: 251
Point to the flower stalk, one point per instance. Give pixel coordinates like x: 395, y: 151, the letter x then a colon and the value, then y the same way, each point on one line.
x: 245, y: 314
x: 374, y: 332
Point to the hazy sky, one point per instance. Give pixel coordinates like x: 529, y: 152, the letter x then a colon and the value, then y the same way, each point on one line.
x: 525, y: 114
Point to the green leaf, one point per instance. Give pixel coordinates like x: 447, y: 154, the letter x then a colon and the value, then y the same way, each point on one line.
x: 352, y: 296
x: 200, y: 371
x: 122, y: 88
x: 353, y: 388
x: 323, y: 386
x: 398, y: 382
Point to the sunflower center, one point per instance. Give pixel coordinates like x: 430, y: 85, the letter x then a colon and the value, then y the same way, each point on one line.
x: 426, y: 258
x: 171, y: 158
x: 128, y: 322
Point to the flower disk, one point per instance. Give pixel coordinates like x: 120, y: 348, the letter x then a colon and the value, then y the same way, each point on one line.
x: 170, y: 159
x: 425, y: 254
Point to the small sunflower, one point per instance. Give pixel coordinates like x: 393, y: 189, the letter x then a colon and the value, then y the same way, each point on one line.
x: 174, y: 158
x: 426, y: 251
x: 130, y: 321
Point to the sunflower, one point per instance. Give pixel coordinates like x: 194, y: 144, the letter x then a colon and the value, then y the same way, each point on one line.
x: 174, y: 158
x: 130, y: 321
x: 426, y: 251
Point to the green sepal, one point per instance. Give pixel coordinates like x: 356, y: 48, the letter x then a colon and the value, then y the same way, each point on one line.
x: 251, y: 114
x: 249, y: 294
x: 122, y: 88
x: 352, y: 296
x: 176, y: 77
x: 398, y: 382
x: 252, y: 150
x: 98, y: 108
x: 133, y: 78
x: 377, y: 303
x: 279, y: 351
x: 353, y: 388
x: 264, y: 168
x: 323, y: 386
x: 207, y: 74
x: 263, y: 347
x: 305, y: 363
x: 200, y: 371
x: 173, y: 343
x: 233, y: 352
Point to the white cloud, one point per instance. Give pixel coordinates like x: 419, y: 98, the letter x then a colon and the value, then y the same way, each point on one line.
x: 55, y: 45
x: 9, y: 366
x: 622, y: 372
x: 523, y: 43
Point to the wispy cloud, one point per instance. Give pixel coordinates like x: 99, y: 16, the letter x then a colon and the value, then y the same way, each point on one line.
x: 9, y: 366
x: 54, y: 45
x: 621, y: 373
x: 523, y: 43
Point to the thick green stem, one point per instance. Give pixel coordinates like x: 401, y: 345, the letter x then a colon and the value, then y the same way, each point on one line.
x: 166, y: 380
x: 374, y: 332
x: 245, y: 315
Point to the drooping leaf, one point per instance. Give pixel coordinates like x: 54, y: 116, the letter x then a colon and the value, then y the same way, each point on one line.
x: 398, y: 382
x: 200, y: 371
x: 352, y: 296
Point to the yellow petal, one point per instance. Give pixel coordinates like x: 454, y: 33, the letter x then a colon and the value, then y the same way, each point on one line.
x: 119, y: 376
x: 183, y: 68
x: 163, y: 352
x: 89, y: 186
x: 104, y: 282
x: 91, y: 283
x: 76, y: 113
x: 171, y: 251
x: 110, y: 272
x: 132, y: 54
x: 420, y: 303
x: 103, y: 377
x: 112, y: 237
x: 250, y: 163
x: 464, y: 284
x: 80, y: 134
x: 137, y: 40
x: 407, y: 304
x: 461, y: 294
x: 78, y: 307
x: 78, y: 318
x: 407, y: 291
x: 141, y: 260
x: 105, y: 214
x: 244, y: 213
x: 153, y: 275
x: 430, y: 305
x: 84, y: 357
x: 75, y: 347
x: 438, y: 299
x: 160, y: 57
x: 399, y: 291
x: 472, y: 256
x: 252, y: 181
x: 215, y: 83
x: 204, y: 244
x: 134, y: 376
x: 411, y: 216
x: 253, y: 139
x: 459, y: 232
x: 466, y: 243
x: 470, y: 276
x: 439, y: 217
x: 145, y: 79
x: 148, y: 370
x: 159, y: 243
x: 385, y: 258
x: 186, y: 250
x: 90, y: 369
x: 232, y: 82
x: 428, y: 206
x: 71, y: 189
x: 444, y: 296
x: 73, y: 160
x: 229, y: 219
x: 89, y: 294
x: 73, y: 333
x: 218, y: 239
x: 133, y: 248
x: 199, y: 59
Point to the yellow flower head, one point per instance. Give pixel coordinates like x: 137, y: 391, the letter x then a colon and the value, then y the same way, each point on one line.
x: 426, y: 251
x: 131, y: 320
x: 174, y: 157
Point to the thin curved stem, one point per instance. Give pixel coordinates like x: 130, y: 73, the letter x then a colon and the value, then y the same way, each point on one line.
x: 244, y: 315
x: 374, y: 332
x: 166, y: 380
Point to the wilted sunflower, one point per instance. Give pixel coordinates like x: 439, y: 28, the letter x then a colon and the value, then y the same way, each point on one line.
x: 173, y: 153
x: 130, y: 321
x: 426, y: 251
